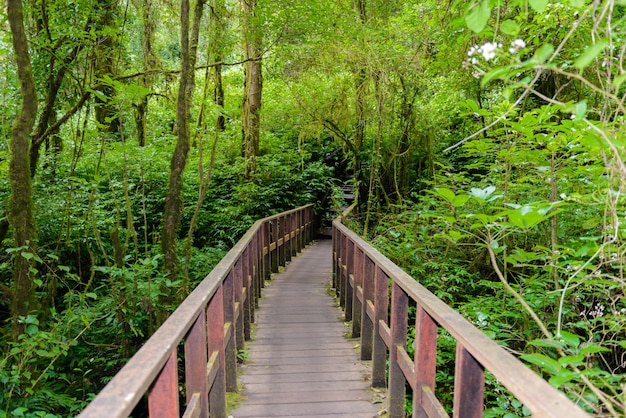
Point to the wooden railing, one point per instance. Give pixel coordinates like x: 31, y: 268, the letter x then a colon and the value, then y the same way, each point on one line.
x: 212, y: 323
x: 362, y: 278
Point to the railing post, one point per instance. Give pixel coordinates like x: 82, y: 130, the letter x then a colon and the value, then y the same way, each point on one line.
x: 217, y: 354
x: 281, y: 241
x: 246, y: 293
x: 336, y: 269
x: 265, y: 247
x: 295, y: 228
x: 349, y: 287
x: 274, y: 243
x: 425, y: 359
x: 341, y: 293
x: 381, y: 307
x: 399, y: 325
x: 290, y: 236
x: 196, y: 350
x: 230, y: 331
x: 367, y: 323
x: 469, y: 385
x: 163, y: 396
x: 357, y: 302
x: 238, y: 307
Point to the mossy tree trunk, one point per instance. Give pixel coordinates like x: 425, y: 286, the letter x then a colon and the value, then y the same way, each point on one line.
x: 20, y: 206
x: 253, y: 86
x: 173, y: 201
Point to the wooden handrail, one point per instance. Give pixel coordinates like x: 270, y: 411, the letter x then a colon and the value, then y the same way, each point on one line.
x: 364, y: 278
x: 213, y: 321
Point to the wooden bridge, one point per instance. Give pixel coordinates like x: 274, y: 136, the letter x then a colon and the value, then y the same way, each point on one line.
x: 300, y: 363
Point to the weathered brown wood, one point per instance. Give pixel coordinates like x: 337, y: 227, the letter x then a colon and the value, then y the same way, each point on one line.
x: 230, y: 337
x: 367, y: 318
x: 274, y: 245
x: 399, y: 326
x: 215, y: 338
x: 238, y: 307
x: 196, y: 356
x: 163, y: 396
x: 381, y: 303
x: 300, y: 363
x: 469, y: 385
x: 194, y: 410
x: 267, y: 262
x: 349, y: 287
x: 425, y: 362
x: 357, y: 303
x: 282, y: 243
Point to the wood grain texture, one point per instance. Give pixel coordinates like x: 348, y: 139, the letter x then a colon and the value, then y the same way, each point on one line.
x: 300, y: 363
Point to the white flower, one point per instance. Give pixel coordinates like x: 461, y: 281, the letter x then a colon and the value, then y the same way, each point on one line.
x: 488, y: 50
x: 516, y: 45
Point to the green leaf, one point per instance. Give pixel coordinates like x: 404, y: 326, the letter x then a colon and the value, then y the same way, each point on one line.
x: 543, y: 53
x: 619, y: 80
x: 485, y: 194
x: 581, y: 110
x: 570, y: 339
x: 477, y: 16
x: 577, y: 3
x: 495, y: 74
x: 510, y: 27
x: 538, y: 5
x: 589, y: 54
x: 546, y: 363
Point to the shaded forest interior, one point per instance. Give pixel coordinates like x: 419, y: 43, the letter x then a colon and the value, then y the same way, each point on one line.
x: 483, y: 142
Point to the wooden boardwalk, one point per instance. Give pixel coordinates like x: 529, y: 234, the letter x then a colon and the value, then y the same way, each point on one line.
x: 300, y: 363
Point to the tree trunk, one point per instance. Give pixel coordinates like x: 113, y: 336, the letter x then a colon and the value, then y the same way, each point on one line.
x: 105, y: 111
x: 146, y: 9
x: 218, y: 10
x: 173, y: 201
x: 361, y: 81
x: 20, y: 206
x: 253, y: 88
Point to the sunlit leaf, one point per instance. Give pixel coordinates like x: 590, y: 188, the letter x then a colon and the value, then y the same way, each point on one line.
x: 589, y: 54
x: 544, y: 362
x: 510, y: 27
x: 477, y: 16
x: 538, y: 5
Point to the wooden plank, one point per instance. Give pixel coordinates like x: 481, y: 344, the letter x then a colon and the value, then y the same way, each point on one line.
x: 469, y: 385
x: 300, y: 363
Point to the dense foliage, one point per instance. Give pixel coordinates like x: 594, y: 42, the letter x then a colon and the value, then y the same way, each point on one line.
x: 484, y: 139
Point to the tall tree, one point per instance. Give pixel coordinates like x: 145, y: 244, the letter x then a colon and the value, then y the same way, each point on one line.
x: 20, y: 207
x: 173, y: 201
x: 218, y: 22
x: 146, y: 10
x: 253, y: 85
x: 104, y: 64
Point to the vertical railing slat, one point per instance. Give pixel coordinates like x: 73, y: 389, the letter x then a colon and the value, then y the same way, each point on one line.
x: 195, y: 356
x: 425, y: 358
x: 399, y: 326
x: 469, y: 385
x: 215, y: 338
x: 349, y: 288
x: 381, y: 306
x: 367, y: 324
x: 358, y: 283
x: 229, y: 321
x: 274, y: 242
x: 163, y: 395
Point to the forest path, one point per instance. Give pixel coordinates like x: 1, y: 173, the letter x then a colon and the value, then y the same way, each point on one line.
x: 300, y: 364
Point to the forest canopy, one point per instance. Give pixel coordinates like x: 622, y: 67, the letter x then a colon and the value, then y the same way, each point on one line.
x: 139, y: 140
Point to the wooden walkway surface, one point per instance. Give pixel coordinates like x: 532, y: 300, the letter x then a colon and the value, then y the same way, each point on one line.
x: 300, y: 363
